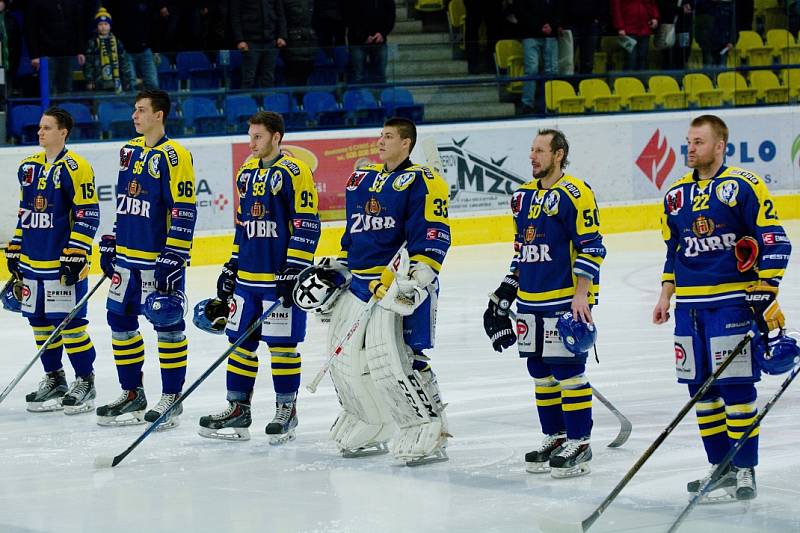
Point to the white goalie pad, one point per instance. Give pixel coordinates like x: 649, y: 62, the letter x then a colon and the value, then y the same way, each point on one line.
x: 413, y: 396
x: 365, y: 419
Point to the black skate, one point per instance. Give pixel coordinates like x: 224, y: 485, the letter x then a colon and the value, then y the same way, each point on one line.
x: 163, y: 404
x: 745, y: 483
x: 49, y: 394
x: 281, y: 429
x: 722, y: 488
x: 230, y: 424
x: 80, y: 396
x: 538, y: 461
x: 572, y: 459
x: 127, y: 410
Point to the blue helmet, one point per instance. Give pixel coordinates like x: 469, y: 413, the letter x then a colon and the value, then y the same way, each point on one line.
x: 577, y: 336
x: 165, y: 309
x: 11, y: 296
x: 211, y: 315
x: 780, y: 356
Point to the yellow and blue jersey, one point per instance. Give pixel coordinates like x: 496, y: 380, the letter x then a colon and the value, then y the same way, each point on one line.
x: 701, y: 222
x: 386, y: 209
x: 155, y: 199
x: 557, y: 237
x: 58, y: 209
x: 277, y: 223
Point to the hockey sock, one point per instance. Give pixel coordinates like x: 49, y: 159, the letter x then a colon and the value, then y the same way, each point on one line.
x: 173, y: 348
x: 242, y: 371
x: 285, y: 361
x: 128, y: 348
x: 51, y: 358
x: 548, y: 404
x: 79, y: 348
x: 740, y: 412
x: 711, y: 421
x: 576, y: 404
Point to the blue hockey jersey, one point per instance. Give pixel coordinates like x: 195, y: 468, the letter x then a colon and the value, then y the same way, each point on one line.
x: 557, y: 238
x: 155, y: 198
x: 701, y: 222
x: 58, y: 209
x: 277, y: 224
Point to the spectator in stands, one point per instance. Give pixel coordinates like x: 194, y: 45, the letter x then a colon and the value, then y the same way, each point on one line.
x: 180, y: 24
x: 587, y: 19
x: 537, y: 24
x: 215, y: 15
x: 369, y: 23
x: 9, y: 44
x: 107, y: 66
x: 58, y: 30
x: 679, y: 14
x: 715, y: 30
x: 329, y: 24
x: 133, y: 20
x: 259, y: 26
x: 480, y: 12
x: 636, y: 19
x: 744, y: 14
x: 301, y: 45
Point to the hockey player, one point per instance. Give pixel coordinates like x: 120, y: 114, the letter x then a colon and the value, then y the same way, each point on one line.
x: 277, y: 230
x: 49, y: 256
x: 381, y: 376
x: 726, y: 255
x: 148, y: 252
x: 555, y: 270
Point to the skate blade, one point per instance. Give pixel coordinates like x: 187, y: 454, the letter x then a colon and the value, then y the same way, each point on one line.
x: 366, y: 451
x: 173, y: 422
x: 537, y: 468
x: 45, y: 407
x: 239, y: 434
x: 439, y: 456
x: 564, y: 473
x: 720, y: 495
x: 84, y: 407
x: 134, y: 418
x: 277, y: 440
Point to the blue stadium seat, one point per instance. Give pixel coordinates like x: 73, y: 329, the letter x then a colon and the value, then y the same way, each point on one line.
x: 284, y: 104
x: 202, y: 115
x: 86, y: 127
x: 24, y: 123
x: 115, y: 118
x: 400, y: 102
x: 362, y: 108
x: 238, y: 108
x: 167, y: 75
x: 198, y: 70
x: 322, y: 108
x: 325, y: 70
x: 174, y: 123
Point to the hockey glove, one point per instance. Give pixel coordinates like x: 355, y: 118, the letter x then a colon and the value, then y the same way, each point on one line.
x: 169, y: 271
x: 420, y: 275
x: 285, y: 283
x: 746, y: 251
x: 763, y: 299
x: 108, y: 254
x: 13, y: 252
x: 506, y: 295
x: 499, y: 328
x: 74, y: 266
x: 226, y: 282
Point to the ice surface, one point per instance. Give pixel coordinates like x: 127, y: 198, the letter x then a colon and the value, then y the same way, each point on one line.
x: 179, y: 481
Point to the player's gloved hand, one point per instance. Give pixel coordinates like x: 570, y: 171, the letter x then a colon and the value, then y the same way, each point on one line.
x: 419, y: 275
x: 74, y: 266
x: 498, y: 327
x: 763, y: 299
x: 505, y: 294
x: 226, y: 282
x: 108, y: 254
x: 402, y: 303
x: 169, y: 271
x: 13, y: 252
x: 746, y: 251
x: 285, y: 283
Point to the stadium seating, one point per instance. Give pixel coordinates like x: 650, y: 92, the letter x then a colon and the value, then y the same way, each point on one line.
x: 735, y: 90
x: 791, y: 80
x: 456, y: 22
x: 362, y: 108
x: 202, y: 115
x: 560, y: 97
x: 784, y: 47
x: 508, y: 59
x: 701, y: 91
x: 429, y: 5
x: 598, y: 96
x: 322, y: 108
x: 770, y: 90
x: 24, y: 123
x: 196, y: 68
x: 400, y: 102
x: 238, y: 108
x: 85, y: 125
x: 167, y: 76
x: 284, y: 104
x: 115, y: 119
x: 615, y: 58
x: 667, y: 92
x: 174, y: 123
x: 751, y: 48
x: 633, y: 94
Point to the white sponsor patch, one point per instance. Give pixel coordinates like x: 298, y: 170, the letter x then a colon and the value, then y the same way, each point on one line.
x: 148, y: 282
x: 552, y: 345
x: 721, y: 347
x: 119, y: 284
x: 57, y: 297
x: 235, y: 317
x: 30, y: 291
x: 278, y: 323
x: 685, y: 367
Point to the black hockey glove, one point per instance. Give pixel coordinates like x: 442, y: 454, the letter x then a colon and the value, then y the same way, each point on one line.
x: 226, y: 281
x: 13, y: 252
x: 285, y: 283
x: 108, y: 254
x: 499, y: 328
x: 506, y: 294
x: 169, y: 271
x: 74, y: 266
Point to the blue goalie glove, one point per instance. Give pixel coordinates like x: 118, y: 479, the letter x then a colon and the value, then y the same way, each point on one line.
x: 165, y: 309
x: 211, y: 315
x: 578, y: 337
x: 776, y: 355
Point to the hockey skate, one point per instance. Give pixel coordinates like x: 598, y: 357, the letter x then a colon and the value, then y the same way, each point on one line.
x: 439, y: 455
x: 745, y: 483
x: 538, y: 461
x: 722, y: 488
x: 281, y: 429
x: 80, y: 396
x: 572, y: 459
x: 50, y: 393
x: 127, y: 410
x: 163, y: 404
x: 230, y: 424
x: 373, y: 448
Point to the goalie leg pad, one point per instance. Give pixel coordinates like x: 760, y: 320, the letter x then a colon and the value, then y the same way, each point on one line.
x: 364, y: 422
x: 414, y: 396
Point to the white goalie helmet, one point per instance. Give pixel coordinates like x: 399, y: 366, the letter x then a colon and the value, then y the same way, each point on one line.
x: 318, y: 286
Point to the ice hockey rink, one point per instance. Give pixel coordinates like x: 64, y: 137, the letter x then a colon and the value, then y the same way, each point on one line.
x: 179, y: 481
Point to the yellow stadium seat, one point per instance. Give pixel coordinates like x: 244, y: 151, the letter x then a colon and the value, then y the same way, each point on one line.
x: 769, y: 87
x: 667, y: 92
x: 429, y: 5
x: 775, y: 17
x: 701, y: 91
x: 735, y: 90
x: 784, y: 47
x: 760, y: 5
x: 695, y: 61
x: 633, y: 94
x: 614, y: 54
x: 456, y: 21
x: 751, y: 47
x: 560, y: 97
x: 791, y: 80
x: 600, y: 63
x: 598, y: 96
x: 508, y: 58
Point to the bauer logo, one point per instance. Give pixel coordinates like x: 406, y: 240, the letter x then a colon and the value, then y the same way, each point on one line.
x: 657, y: 159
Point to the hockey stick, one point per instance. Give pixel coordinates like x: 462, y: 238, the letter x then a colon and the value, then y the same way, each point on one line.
x: 586, y: 523
x: 431, y: 151
x: 102, y: 461
x: 625, y: 426
x: 733, y: 451
x: 53, y: 336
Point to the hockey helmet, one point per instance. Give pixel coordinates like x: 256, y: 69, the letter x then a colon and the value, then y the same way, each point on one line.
x: 211, y: 315
x: 780, y: 354
x: 165, y: 309
x: 11, y: 296
x: 318, y: 286
x: 577, y: 336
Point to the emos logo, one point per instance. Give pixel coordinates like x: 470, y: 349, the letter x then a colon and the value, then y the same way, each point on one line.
x: 657, y: 159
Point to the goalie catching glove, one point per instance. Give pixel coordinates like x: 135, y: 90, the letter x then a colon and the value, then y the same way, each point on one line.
x: 763, y: 300
x: 496, y: 322
x: 403, y: 288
